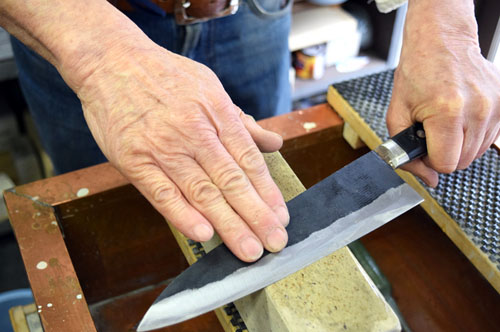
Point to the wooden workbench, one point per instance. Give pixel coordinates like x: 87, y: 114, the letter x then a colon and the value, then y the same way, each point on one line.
x: 97, y: 255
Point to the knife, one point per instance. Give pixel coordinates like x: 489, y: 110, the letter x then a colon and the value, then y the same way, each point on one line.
x: 348, y: 204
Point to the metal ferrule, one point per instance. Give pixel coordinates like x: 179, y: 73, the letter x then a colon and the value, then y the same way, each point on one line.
x: 392, y: 153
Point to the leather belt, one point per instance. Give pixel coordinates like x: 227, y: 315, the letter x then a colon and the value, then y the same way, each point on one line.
x: 189, y: 11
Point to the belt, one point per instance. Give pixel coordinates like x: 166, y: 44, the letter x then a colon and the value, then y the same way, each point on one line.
x: 188, y: 11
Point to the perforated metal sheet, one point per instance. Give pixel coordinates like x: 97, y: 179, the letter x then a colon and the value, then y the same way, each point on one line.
x: 471, y: 196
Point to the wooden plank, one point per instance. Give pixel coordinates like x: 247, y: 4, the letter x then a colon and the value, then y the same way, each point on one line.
x: 50, y: 271
x: 304, y: 122
x: 431, y: 206
x: 352, y: 137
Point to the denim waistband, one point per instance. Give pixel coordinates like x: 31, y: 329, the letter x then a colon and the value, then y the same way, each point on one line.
x: 257, y: 6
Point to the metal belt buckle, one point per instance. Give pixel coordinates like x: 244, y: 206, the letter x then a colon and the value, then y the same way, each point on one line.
x: 182, y: 18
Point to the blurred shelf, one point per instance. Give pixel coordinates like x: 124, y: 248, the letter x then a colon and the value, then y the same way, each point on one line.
x: 307, y: 88
x: 383, y: 53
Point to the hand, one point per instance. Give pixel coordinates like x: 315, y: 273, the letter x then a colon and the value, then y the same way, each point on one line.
x: 168, y: 125
x: 164, y: 121
x: 444, y: 82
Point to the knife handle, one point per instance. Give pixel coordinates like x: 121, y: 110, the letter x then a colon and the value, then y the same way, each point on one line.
x: 404, y: 147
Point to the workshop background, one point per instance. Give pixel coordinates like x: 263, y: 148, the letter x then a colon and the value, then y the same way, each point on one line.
x: 370, y: 43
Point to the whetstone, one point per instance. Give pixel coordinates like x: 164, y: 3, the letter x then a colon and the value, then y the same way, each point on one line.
x: 332, y: 294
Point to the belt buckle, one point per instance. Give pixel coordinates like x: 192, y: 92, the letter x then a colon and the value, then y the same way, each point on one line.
x: 182, y: 18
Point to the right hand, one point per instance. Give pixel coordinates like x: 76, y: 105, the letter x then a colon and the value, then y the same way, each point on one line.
x: 444, y: 82
x: 170, y: 128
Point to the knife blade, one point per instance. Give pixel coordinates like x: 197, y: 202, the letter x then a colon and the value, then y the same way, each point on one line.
x: 348, y: 204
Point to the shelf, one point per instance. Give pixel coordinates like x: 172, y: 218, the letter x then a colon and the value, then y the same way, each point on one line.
x: 307, y: 88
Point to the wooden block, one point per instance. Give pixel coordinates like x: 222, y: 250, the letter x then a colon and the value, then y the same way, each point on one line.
x: 352, y: 137
x: 301, y: 123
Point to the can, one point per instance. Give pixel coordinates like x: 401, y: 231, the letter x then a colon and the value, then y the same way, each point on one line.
x: 309, y: 63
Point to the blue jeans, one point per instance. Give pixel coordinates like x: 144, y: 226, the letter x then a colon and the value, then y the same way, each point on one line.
x: 248, y: 51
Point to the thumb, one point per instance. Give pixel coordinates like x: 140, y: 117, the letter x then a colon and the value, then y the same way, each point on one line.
x: 266, y: 140
x: 398, y: 119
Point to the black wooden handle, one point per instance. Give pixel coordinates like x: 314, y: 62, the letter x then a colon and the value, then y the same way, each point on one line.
x: 412, y: 140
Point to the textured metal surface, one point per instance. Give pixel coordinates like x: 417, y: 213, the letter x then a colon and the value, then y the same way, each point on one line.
x: 471, y: 196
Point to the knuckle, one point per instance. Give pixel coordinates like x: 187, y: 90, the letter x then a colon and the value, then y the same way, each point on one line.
x: 165, y: 194
x: 232, y: 127
x: 251, y: 159
x: 451, y: 104
x: 232, y: 180
x: 227, y: 225
x: 196, y: 120
x: 203, y: 192
x: 483, y: 110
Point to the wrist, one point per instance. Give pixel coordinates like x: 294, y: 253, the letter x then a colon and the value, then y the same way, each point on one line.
x: 85, y: 51
x: 444, y: 28
x: 453, y: 20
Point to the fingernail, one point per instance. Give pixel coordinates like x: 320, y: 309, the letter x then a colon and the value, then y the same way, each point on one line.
x: 276, y: 239
x: 251, y: 248
x: 282, y: 213
x: 203, y: 232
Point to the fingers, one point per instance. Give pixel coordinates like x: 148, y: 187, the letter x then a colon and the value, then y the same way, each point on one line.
x: 426, y: 173
x: 206, y: 197
x: 245, y: 195
x: 166, y: 198
x: 266, y: 140
x: 474, y: 136
x: 445, y: 138
x: 398, y: 119
x: 489, y: 139
x: 250, y: 160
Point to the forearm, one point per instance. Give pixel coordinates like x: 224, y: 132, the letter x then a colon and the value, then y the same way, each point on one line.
x: 70, y: 34
x: 434, y: 22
